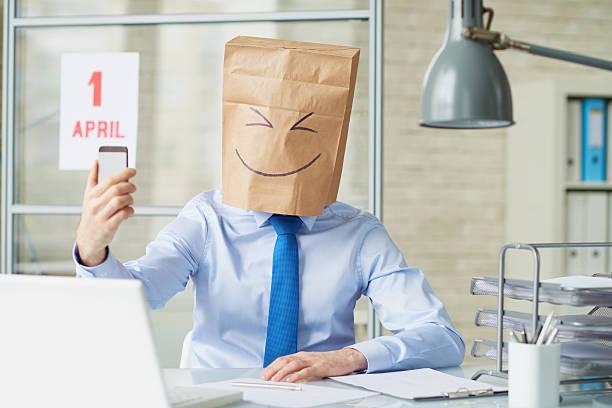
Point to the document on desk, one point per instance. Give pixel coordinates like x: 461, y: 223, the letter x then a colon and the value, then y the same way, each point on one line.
x: 581, y: 282
x: 308, y: 396
x: 418, y: 384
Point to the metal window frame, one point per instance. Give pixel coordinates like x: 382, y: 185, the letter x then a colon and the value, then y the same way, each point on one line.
x: 373, y: 14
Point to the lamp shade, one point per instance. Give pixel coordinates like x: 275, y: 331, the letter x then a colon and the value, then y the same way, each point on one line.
x: 465, y: 86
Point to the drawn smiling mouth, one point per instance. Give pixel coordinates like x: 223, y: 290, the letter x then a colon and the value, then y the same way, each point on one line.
x: 261, y: 173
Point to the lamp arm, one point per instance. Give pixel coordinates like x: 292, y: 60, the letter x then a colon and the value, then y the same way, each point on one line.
x: 500, y: 41
x: 570, y: 56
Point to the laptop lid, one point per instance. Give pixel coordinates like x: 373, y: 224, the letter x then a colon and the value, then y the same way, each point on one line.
x: 76, y: 343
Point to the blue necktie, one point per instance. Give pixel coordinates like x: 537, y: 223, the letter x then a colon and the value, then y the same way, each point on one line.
x: 281, y: 338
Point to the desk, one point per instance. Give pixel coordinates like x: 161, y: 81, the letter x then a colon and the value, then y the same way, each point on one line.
x: 177, y: 377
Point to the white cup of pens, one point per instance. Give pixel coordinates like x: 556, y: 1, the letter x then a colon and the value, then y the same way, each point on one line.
x: 533, y: 368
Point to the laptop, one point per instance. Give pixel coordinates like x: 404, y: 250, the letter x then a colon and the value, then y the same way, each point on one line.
x: 67, y: 342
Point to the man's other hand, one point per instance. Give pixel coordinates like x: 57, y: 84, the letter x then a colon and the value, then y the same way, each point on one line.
x: 105, y: 206
x: 310, y: 366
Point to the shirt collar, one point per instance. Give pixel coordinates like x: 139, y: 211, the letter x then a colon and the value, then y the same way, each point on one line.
x: 261, y: 218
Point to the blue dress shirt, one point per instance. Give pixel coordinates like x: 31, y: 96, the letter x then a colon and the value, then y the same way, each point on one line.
x: 343, y: 254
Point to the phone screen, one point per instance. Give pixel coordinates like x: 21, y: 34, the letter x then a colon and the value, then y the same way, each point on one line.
x: 111, y: 159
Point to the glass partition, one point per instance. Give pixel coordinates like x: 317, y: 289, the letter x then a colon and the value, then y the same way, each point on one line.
x: 179, y: 136
x: 179, y: 143
x: 43, y: 243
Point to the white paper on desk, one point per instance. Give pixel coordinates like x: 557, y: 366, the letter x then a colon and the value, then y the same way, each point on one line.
x: 581, y: 282
x: 414, y: 384
x: 309, y: 396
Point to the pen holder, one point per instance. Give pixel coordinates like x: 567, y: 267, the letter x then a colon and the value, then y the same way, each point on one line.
x: 533, y: 375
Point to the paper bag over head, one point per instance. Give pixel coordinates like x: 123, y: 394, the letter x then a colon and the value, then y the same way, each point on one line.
x: 286, y: 111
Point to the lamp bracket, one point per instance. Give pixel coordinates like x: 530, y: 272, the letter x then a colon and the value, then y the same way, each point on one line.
x: 495, y: 39
x: 500, y: 41
x: 491, y: 13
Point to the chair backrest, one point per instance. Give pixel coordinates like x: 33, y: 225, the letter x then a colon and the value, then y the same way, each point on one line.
x: 186, y: 353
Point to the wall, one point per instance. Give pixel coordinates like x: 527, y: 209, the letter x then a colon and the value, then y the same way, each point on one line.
x: 444, y: 190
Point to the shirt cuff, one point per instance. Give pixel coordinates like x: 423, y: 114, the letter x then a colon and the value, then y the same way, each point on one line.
x: 378, y: 356
x: 103, y: 270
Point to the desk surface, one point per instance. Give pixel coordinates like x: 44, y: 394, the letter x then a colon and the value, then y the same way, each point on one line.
x: 181, y: 377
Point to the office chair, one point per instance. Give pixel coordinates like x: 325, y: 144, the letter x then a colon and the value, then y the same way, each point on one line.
x: 186, y: 352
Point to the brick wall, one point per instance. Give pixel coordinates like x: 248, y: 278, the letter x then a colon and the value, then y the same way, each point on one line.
x: 444, y: 190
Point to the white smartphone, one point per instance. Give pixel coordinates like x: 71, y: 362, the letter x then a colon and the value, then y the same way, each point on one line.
x: 111, y: 159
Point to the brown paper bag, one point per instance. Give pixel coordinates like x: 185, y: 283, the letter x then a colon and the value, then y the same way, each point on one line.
x: 286, y: 111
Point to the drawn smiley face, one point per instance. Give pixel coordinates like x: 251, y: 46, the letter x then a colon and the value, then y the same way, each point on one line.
x: 268, y: 124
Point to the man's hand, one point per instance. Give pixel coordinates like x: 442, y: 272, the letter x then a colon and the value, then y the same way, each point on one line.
x: 310, y: 366
x: 105, y: 206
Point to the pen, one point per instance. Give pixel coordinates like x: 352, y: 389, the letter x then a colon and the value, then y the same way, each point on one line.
x: 535, y: 336
x: 524, y: 334
x: 287, y: 387
x: 552, y: 336
x: 514, y: 336
x: 545, y: 328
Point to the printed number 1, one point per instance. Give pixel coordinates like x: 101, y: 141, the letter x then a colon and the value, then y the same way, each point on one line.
x: 96, y: 80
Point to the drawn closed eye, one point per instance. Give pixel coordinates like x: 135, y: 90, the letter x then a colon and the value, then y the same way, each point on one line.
x: 296, y: 127
x: 267, y: 124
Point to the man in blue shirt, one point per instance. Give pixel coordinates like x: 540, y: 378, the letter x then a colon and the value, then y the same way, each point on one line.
x: 276, y: 276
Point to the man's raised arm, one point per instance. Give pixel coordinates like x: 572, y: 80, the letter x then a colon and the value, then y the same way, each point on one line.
x: 169, y: 260
x: 105, y: 206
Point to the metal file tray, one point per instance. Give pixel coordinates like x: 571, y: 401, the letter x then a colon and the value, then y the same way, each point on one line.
x: 486, y: 348
x: 575, y: 327
x: 549, y: 292
x: 581, y: 293
x: 590, y: 362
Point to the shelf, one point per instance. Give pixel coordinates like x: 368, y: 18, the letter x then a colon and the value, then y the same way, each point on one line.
x: 585, y: 186
x: 537, y: 179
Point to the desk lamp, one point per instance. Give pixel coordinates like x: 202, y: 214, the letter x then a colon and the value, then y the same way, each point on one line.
x: 465, y: 86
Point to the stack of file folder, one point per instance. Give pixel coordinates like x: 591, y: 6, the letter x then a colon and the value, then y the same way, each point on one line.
x: 574, y: 327
x: 586, y: 340
x: 549, y: 292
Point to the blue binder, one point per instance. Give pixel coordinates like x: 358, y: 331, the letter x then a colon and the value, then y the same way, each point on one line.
x: 594, y: 140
